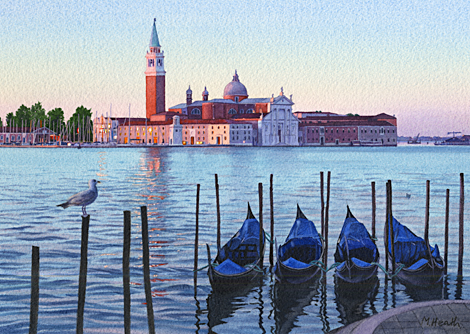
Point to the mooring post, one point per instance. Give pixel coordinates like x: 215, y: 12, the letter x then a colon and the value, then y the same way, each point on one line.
x: 271, y: 246
x: 328, y: 178
x: 260, y: 193
x: 83, y: 273
x: 218, y: 210
x: 373, y: 209
x: 461, y: 227
x: 125, y: 271
x: 426, y: 217
x: 33, y: 315
x: 387, y: 229
x: 446, y: 232
x: 146, y: 264
x: 322, y: 206
x: 390, y: 216
x: 196, y: 237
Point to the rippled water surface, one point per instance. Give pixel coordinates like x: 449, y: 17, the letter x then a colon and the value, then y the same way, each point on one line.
x: 35, y: 180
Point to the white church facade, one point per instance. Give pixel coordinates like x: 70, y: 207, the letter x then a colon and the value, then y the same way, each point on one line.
x: 279, y: 126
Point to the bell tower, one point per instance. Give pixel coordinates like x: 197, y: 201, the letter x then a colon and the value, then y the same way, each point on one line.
x: 155, y: 76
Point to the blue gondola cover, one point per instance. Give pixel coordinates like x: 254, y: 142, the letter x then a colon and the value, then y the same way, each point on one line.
x: 355, y: 243
x: 409, y: 248
x: 242, y: 249
x: 302, y: 245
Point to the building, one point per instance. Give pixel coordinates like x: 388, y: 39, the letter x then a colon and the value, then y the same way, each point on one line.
x: 279, y: 126
x: 27, y: 136
x: 155, y: 76
x: 236, y: 118
x: 318, y: 129
x: 235, y: 102
x: 105, y: 128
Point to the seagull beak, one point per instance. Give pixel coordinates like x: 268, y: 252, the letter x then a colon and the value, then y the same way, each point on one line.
x: 98, y: 182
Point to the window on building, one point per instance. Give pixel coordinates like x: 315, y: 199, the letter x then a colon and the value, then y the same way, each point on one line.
x: 232, y: 111
x: 195, y: 111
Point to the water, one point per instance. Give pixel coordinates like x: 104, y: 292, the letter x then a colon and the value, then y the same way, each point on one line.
x: 35, y: 180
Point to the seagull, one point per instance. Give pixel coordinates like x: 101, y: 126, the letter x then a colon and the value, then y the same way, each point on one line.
x: 83, y: 198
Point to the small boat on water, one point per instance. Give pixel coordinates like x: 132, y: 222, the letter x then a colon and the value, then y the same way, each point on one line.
x: 356, y: 251
x: 240, y: 260
x: 422, y: 264
x: 298, y: 259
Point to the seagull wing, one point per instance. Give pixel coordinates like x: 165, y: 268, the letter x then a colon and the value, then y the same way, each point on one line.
x: 83, y: 198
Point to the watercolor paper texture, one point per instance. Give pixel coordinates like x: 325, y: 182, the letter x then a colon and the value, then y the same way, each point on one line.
x: 404, y: 58
x: 409, y: 59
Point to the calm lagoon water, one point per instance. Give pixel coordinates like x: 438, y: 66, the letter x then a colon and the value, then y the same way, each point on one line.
x: 35, y: 180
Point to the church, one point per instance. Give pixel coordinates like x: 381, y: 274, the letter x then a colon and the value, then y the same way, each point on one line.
x: 233, y: 119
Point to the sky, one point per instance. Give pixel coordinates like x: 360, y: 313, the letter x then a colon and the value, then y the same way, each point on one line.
x: 409, y: 58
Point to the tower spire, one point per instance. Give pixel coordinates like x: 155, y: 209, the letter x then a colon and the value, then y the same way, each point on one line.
x: 154, y: 43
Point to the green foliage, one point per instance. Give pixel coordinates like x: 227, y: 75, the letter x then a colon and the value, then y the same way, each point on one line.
x: 81, y: 123
x: 1, y: 122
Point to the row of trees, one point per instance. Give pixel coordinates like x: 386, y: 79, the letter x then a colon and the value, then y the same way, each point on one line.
x: 78, y: 126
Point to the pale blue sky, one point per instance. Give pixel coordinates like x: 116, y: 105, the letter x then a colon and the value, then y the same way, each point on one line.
x: 407, y: 58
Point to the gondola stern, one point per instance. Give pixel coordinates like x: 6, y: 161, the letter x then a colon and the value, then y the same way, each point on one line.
x: 300, y: 214
x: 249, y: 214
x: 349, y: 213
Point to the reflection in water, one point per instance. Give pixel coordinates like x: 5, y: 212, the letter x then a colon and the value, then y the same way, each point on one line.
x: 323, y: 305
x: 102, y: 166
x: 352, y: 298
x: 458, y: 287
x: 426, y: 292
x: 289, y: 302
x: 223, y: 304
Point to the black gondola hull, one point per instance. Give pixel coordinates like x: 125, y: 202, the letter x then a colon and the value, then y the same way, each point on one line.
x: 285, y: 274
x: 428, y: 274
x: 353, y: 273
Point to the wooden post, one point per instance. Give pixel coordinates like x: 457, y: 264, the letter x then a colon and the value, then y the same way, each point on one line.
x: 387, y: 228
x: 426, y: 218
x: 390, y: 216
x: 325, y: 261
x: 271, y: 259
x: 373, y: 209
x: 322, y: 206
x: 461, y: 227
x: 446, y: 233
x: 218, y: 210
x: 33, y: 315
x: 146, y: 263
x: 260, y: 193
x: 196, y: 238
x: 125, y: 271
x: 83, y: 273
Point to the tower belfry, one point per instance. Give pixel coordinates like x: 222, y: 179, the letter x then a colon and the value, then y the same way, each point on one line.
x: 155, y: 76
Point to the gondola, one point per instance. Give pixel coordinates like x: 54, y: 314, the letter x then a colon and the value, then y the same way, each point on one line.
x: 298, y: 259
x: 356, y: 251
x: 240, y: 260
x: 416, y: 261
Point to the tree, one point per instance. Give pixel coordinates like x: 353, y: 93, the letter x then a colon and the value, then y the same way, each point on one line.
x: 10, y: 118
x: 1, y: 123
x: 38, y: 113
x: 82, y: 124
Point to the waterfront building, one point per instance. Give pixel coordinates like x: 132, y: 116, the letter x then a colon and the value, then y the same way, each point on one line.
x: 186, y: 132
x: 317, y: 129
x: 235, y: 102
x: 105, y: 128
x: 236, y: 119
x: 279, y: 126
x: 26, y: 136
